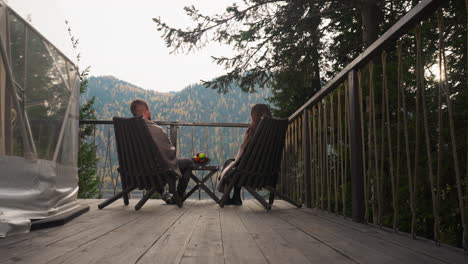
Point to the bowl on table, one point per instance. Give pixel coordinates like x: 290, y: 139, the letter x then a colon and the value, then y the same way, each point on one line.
x: 200, y: 159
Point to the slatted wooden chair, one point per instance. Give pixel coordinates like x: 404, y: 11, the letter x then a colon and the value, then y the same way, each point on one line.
x: 260, y: 164
x: 140, y: 165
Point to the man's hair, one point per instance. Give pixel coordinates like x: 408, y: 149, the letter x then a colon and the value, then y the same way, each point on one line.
x: 138, y: 106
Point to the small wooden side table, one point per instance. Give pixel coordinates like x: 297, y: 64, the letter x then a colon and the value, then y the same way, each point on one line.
x: 201, y: 183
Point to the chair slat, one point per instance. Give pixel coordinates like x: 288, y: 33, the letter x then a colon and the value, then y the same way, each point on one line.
x: 139, y: 158
x: 267, y: 155
x: 123, y: 154
x: 142, y: 155
x: 132, y: 154
x: 148, y: 163
x: 140, y: 163
x: 259, y: 165
x: 248, y: 164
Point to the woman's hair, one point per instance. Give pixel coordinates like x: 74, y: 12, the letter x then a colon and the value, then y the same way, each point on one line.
x: 256, y: 113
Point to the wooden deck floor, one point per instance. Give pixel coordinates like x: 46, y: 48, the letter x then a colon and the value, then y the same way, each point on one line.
x: 201, y: 232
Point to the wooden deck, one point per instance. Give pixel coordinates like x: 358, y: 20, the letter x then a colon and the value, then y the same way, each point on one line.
x: 201, y: 232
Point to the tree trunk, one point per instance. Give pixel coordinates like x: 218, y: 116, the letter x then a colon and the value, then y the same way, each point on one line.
x: 316, y: 82
x: 370, y: 15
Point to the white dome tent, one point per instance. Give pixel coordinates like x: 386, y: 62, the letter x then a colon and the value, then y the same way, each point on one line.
x: 39, y: 115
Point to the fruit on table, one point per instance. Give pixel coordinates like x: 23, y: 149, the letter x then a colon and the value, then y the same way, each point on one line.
x: 200, y: 157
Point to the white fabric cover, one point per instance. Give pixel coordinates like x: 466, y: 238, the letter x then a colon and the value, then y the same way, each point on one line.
x: 39, y: 129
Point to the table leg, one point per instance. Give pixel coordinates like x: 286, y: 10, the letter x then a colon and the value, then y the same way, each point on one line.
x: 201, y: 184
x: 207, y: 190
x: 194, y: 189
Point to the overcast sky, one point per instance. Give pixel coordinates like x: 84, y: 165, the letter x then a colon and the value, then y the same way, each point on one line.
x: 119, y: 38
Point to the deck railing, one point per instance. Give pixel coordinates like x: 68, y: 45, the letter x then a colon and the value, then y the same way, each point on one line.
x: 220, y: 141
x: 386, y: 139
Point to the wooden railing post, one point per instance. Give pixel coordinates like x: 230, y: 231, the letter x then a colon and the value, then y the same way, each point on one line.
x: 357, y: 171
x: 173, y: 135
x: 307, y: 159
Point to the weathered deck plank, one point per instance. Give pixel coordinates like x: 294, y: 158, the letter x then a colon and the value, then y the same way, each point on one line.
x: 423, y: 246
x: 201, y: 232
x: 239, y: 245
x: 23, y: 237
x: 205, y: 245
x: 16, y: 246
x: 312, y: 249
x: 115, y: 217
x: 272, y: 245
x: 170, y: 247
x: 360, y: 245
x: 128, y: 242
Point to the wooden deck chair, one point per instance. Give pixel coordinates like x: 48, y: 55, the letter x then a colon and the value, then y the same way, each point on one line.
x: 140, y: 165
x: 259, y: 166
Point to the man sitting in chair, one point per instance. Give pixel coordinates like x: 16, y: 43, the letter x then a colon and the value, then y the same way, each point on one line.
x: 182, y: 167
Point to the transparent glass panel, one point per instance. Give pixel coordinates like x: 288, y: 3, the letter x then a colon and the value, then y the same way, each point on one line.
x: 69, y: 148
x: 46, y: 96
x: 18, y: 49
x: 13, y: 128
x: 60, y: 64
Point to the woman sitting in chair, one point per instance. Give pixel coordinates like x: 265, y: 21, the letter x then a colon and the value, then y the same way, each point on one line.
x: 256, y: 114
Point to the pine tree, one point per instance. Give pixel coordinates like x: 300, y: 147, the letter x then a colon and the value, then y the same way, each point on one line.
x: 278, y: 44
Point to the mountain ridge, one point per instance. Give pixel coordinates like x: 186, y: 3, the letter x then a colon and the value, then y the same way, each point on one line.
x: 194, y: 103
x: 113, y: 78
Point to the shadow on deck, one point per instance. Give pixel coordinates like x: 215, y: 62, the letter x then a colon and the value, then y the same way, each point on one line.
x: 201, y: 232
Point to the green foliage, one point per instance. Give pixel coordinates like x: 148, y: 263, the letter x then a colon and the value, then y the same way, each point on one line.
x: 291, y: 90
x: 87, y: 170
x: 289, y: 46
x: 87, y: 159
x: 274, y: 41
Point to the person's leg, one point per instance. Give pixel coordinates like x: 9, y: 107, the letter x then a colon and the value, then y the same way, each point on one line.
x: 165, y: 195
x: 185, y: 166
x: 162, y: 188
x: 236, y: 193
x: 236, y: 197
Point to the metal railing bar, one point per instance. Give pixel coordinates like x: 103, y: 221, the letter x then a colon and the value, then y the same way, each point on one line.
x: 169, y: 123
